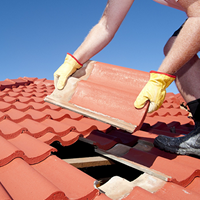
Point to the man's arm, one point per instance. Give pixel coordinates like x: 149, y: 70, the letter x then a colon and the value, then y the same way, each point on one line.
x: 103, y: 32
x: 187, y: 43
x: 100, y: 35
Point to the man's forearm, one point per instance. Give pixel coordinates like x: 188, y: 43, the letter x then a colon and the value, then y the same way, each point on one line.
x: 95, y: 41
x: 102, y: 33
x: 186, y: 45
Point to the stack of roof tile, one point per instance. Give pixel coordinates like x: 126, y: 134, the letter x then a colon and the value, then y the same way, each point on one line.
x: 28, y: 126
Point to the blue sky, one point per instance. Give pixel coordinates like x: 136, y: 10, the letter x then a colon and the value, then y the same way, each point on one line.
x: 36, y: 35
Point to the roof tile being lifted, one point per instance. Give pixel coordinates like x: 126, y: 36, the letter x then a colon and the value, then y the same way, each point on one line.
x: 104, y: 92
x: 28, y: 126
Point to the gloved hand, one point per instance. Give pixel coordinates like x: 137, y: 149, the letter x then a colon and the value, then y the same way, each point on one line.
x: 70, y: 65
x: 154, y: 90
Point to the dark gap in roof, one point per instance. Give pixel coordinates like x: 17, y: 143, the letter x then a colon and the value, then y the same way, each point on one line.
x: 104, y: 173
x: 81, y: 149
x: 77, y: 150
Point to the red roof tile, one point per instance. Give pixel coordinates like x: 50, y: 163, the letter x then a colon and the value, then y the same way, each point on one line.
x: 5, y: 106
x: 10, y: 129
x: 75, y: 185
x: 30, y: 181
x: 167, y: 164
x: 104, y: 92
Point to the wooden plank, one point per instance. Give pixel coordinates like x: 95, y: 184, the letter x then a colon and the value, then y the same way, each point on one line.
x: 89, y: 161
x: 135, y: 165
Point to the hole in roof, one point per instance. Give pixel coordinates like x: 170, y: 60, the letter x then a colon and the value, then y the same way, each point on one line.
x: 77, y: 150
x: 103, y: 172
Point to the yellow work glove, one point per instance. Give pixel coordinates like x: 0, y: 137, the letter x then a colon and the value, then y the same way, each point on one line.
x: 70, y: 65
x: 154, y: 90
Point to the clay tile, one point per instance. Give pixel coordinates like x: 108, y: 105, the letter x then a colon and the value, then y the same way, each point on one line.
x: 65, y: 140
x: 169, y: 95
x: 51, y: 106
x: 180, y: 118
x: 24, y: 99
x: 153, y: 114
x: 50, y: 90
x: 20, y: 81
x: 100, y: 125
x: 14, y: 94
x: 4, y: 194
x: 102, y: 140
x: 29, y: 90
x: 3, y: 94
x: 17, y: 90
x: 18, y: 174
x: 125, y: 138
x: 7, y: 84
x: 171, y: 188
x: 6, y: 90
x: 147, y: 136
x: 27, y: 144
x: 21, y: 106
x: 106, y: 99
x: 31, y: 86
x: 30, y: 79
x: 58, y: 127
x: 37, y: 115
x: 64, y: 176
x: 38, y: 106
x: 37, y: 99
x: 177, y: 106
x: 176, y: 112
x: 41, y: 95
x: 25, y: 94
x: 166, y: 163
x: 79, y: 126
x: 71, y: 114
x: 17, y: 115
x: 41, y: 90
x: 49, y: 138
x: 9, y: 129
x: 37, y: 129
x: 142, y: 194
x: 167, y: 105
x: 163, y: 112
x: 9, y: 99
x: 40, y: 86
x: 3, y: 116
x: 150, y: 120
x: 70, y: 138
x: 56, y: 115
x: 21, y: 87
x: 9, y: 152
x: 39, y: 81
x: 4, y: 106
x: 49, y: 83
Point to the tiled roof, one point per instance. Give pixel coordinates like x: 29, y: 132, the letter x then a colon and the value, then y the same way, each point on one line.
x: 29, y: 170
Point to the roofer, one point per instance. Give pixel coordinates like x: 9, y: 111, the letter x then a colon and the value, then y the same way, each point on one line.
x: 181, y: 63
